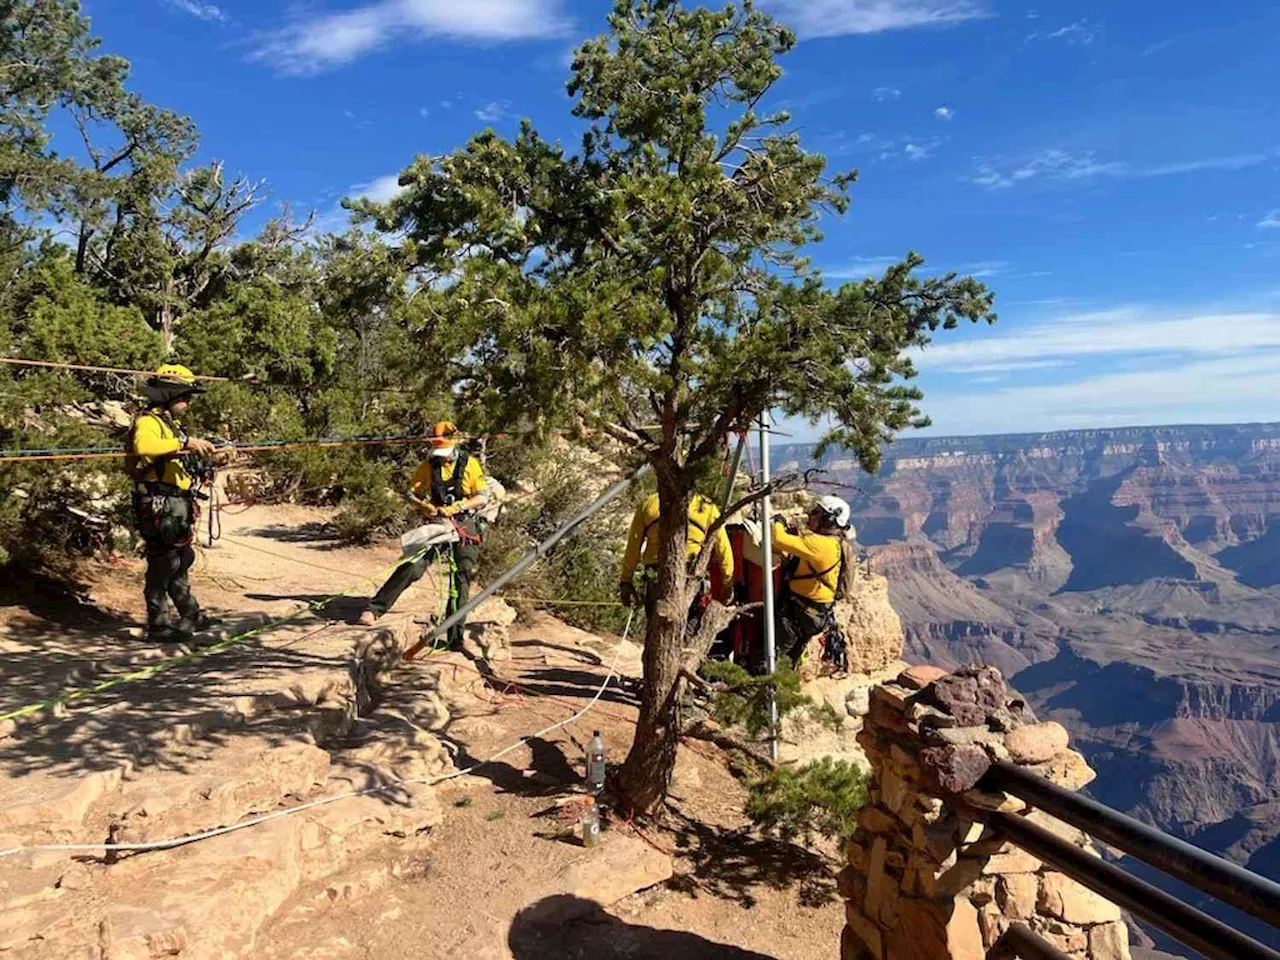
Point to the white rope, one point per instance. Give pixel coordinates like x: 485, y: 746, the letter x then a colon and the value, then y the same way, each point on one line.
x: 432, y: 781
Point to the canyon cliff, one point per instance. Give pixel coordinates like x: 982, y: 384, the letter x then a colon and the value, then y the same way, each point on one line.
x: 1128, y: 580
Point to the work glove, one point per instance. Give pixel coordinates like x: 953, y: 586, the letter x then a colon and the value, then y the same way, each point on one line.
x: 627, y: 593
x: 202, y: 448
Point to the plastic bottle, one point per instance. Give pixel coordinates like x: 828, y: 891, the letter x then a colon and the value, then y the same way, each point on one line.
x: 595, y: 764
x: 590, y: 821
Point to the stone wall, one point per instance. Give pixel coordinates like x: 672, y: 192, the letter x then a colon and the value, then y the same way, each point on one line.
x: 926, y: 880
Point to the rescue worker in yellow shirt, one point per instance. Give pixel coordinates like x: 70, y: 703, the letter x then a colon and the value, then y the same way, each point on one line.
x: 160, y: 460
x: 815, y: 568
x: 450, y: 485
x: 642, y: 549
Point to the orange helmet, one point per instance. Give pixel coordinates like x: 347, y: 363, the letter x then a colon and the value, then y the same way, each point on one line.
x: 444, y: 439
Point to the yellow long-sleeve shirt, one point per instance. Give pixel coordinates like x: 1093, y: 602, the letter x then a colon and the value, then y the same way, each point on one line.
x: 474, y: 483
x: 154, y: 436
x: 642, y: 542
x: 818, y: 574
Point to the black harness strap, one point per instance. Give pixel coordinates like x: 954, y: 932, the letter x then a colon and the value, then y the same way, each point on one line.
x: 445, y: 494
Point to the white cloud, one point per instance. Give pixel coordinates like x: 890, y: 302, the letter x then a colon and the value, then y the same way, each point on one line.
x: 424, y: 111
x: 203, y: 11
x: 1271, y: 221
x: 944, y: 113
x: 1078, y: 34
x: 1218, y: 390
x: 1066, y: 165
x: 314, y: 43
x: 1239, y: 162
x: 380, y: 189
x: 886, y: 93
x: 446, y: 104
x: 984, y: 268
x: 493, y: 112
x: 1128, y: 331
x: 915, y: 151
x: 837, y: 18
x: 861, y: 267
x: 1016, y: 365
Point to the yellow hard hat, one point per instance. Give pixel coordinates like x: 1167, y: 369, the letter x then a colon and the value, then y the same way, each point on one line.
x: 175, y: 371
x: 170, y: 382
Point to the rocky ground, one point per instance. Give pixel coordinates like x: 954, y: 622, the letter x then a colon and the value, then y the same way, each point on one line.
x: 484, y: 865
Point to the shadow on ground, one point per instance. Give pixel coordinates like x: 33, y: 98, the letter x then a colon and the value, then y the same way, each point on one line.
x: 570, y: 927
x: 343, y: 609
x: 729, y: 864
x: 320, y: 534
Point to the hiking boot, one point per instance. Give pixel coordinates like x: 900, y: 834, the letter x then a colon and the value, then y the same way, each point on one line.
x: 168, y: 634
x: 201, y: 624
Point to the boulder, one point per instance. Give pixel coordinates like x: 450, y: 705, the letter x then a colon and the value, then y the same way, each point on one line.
x: 1062, y: 897
x: 956, y: 769
x: 619, y: 867
x: 920, y: 676
x: 1038, y: 743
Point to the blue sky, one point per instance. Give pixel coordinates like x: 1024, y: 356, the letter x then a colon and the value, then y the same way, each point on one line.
x: 1111, y: 169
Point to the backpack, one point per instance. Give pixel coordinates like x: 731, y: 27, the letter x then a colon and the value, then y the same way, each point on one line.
x: 847, y: 581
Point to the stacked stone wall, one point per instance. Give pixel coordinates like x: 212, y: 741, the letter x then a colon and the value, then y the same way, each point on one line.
x: 926, y: 880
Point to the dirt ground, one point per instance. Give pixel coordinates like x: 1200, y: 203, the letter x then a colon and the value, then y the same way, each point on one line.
x: 479, y: 883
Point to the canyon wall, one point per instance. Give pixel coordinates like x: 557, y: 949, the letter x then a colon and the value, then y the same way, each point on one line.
x: 1128, y: 581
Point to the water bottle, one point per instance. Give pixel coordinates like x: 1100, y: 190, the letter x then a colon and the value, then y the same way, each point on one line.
x: 595, y: 764
x: 590, y: 820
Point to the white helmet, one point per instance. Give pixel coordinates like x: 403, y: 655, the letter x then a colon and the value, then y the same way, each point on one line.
x: 835, y: 512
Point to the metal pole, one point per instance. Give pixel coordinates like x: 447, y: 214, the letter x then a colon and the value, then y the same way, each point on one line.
x: 1255, y: 895
x: 541, y: 550
x: 733, y: 474
x: 766, y: 526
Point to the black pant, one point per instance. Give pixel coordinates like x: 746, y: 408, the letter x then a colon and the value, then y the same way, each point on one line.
x: 168, y: 567
x: 795, y: 624
x: 465, y: 556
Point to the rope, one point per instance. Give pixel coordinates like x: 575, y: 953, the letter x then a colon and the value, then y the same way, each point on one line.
x: 92, y: 453
x: 69, y: 696
x: 301, y: 808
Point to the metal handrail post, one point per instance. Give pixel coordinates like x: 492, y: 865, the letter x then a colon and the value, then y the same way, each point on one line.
x: 766, y: 526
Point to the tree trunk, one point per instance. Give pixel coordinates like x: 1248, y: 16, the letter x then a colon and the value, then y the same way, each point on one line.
x: 646, y: 775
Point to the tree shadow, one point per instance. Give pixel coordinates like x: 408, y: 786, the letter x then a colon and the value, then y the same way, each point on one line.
x: 576, y: 652
x: 567, y: 927
x: 322, y: 535
x: 580, y: 684
x: 142, y: 722
x: 343, y: 609
x: 730, y: 863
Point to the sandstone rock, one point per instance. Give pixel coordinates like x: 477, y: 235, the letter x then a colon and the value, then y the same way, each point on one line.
x: 895, y: 792
x: 929, y: 718
x: 59, y: 799
x: 971, y: 694
x: 851, y: 885
x: 993, y: 925
x: 1063, y: 898
x: 1016, y: 861
x: 890, y: 695
x: 1059, y: 829
x: 858, y: 702
x: 1109, y: 941
x: 921, y: 932
x: 1037, y: 744
x: 871, y: 625
x: 1068, y: 770
x: 964, y: 935
x: 919, y: 677
x: 956, y: 769
x: 877, y: 879
x: 620, y: 866
x: 864, y: 931
x: 875, y: 820
x: 1017, y: 895
x: 1000, y: 802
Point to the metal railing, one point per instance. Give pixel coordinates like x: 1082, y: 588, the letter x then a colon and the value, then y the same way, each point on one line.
x: 1226, y: 881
